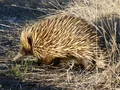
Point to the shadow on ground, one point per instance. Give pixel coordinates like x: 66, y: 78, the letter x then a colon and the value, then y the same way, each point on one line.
x: 10, y: 83
x: 15, y: 13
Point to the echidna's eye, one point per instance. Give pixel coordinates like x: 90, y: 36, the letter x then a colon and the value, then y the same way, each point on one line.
x: 25, y: 51
x: 22, y: 50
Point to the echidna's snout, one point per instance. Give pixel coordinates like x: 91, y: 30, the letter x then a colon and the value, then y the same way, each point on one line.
x: 17, y: 56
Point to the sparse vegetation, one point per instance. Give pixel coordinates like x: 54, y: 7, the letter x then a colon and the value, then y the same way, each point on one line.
x: 15, y: 71
x: 103, y: 14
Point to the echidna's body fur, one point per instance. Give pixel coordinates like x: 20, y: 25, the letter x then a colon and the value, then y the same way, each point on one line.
x: 61, y: 36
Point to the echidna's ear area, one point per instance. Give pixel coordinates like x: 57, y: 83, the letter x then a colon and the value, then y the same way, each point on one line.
x: 29, y: 41
x: 26, y: 40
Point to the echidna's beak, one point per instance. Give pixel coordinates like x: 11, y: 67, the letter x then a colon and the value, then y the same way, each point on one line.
x: 17, y: 56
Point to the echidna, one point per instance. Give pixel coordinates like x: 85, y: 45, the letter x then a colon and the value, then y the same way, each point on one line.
x: 60, y: 36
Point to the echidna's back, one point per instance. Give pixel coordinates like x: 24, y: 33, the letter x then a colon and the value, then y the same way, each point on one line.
x: 62, y: 30
x: 62, y: 36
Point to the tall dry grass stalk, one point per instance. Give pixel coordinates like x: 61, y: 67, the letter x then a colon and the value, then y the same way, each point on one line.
x: 105, y: 16
x: 91, y: 10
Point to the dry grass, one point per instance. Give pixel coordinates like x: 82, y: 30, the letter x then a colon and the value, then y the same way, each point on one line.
x: 105, y: 16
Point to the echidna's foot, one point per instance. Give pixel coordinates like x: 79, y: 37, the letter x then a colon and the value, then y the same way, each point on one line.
x: 56, y: 61
x: 53, y: 62
x: 39, y: 61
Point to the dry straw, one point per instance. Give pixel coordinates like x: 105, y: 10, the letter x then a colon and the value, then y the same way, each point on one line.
x: 105, y: 16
